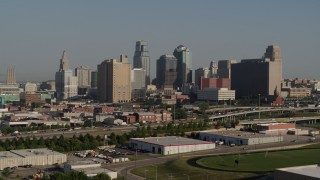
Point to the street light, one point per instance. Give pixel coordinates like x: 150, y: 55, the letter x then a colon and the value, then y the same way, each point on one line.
x: 187, y: 176
x: 259, y: 104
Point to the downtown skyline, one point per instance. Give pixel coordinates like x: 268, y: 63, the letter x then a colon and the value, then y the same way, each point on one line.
x: 35, y: 33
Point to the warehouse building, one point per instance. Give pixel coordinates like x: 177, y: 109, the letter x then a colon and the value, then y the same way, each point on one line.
x: 239, y: 137
x: 30, y: 157
x: 309, y: 172
x: 90, y: 168
x: 169, y: 145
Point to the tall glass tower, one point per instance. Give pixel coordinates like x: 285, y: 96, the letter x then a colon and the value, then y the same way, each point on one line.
x: 184, y: 57
x: 141, y: 59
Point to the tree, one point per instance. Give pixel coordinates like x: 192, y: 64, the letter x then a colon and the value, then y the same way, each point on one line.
x: 101, y: 176
x: 87, y: 123
x: 6, y: 172
x: 203, y: 107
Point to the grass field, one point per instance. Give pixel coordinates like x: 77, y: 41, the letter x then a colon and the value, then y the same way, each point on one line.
x: 262, y: 162
x: 180, y: 169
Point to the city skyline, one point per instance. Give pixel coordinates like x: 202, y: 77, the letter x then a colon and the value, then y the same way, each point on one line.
x: 35, y: 33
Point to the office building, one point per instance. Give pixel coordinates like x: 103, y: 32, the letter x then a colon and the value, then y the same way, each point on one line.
x: 138, y: 83
x: 263, y: 76
x: 166, y: 72
x: 202, y: 72
x: 114, y: 81
x: 30, y: 87
x: 94, y: 79
x: 224, y: 68
x: 48, y: 85
x: 9, y: 93
x: 66, y: 83
x: 216, y: 94
x: 169, y: 145
x: 184, y: 65
x: 11, y: 75
x: 213, y: 68
x: 84, y: 76
x: 214, y: 83
x: 141, y: 59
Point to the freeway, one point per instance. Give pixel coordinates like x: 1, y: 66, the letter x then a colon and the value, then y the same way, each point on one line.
x: 274, y: 120
x: 244, y: 113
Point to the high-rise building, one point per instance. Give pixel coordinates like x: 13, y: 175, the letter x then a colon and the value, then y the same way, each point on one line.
x: 214, y: 83
x: 114, y: 82
x: 167, y: 72
x: 11, y: 75
x: 94, y: 79
x: 203, y: 72
x: 224, y: 68
x: 138, y: 82
x: 66, y: 83
x: 141, y: 59
x: 213, y: 69
x: 84, y: 76
x: 261, y: 76
x: 184, y: 65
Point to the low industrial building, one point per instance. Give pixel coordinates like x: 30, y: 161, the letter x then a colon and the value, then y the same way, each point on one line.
x: 27, y: 157
x: 309, y: 172
x: 239, y: 137
x: 90, y: 168
x: 275, y: 128
x: 169, y: 145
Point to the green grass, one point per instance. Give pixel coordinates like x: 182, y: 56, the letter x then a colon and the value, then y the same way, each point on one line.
x: 262, y: 162
x: 179, y: 169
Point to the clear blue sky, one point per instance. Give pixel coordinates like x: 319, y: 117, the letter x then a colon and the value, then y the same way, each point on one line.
x: 34, y: 33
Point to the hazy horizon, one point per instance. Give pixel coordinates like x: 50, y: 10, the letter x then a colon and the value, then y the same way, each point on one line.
x: 34, y: 33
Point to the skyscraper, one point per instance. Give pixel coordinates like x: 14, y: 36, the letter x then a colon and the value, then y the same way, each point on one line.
x: 213, y: 69
x: 261, y: 76
x: 224, y: 68
x: 166, y: 72
x: 141, y: 59
x: 84, y: 76
x: 11, y: 75
x: 114, y: 83
x: 184, y: 65
x: 66, y: 83
x: 94, y: 79
x: 138, y: 82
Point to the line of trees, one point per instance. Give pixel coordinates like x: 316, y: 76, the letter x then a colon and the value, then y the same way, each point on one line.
x: 9, y: 130
x: 60, y: 144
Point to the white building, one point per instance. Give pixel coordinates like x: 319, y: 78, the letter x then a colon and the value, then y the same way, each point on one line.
x: 239, y: 137
x: 216, y: 94
x: 84, y: 76
x: 309, y: 172
x: 169, y: 145
x: 90, y: 168
x: 34, y: 157
x: 30, y: 87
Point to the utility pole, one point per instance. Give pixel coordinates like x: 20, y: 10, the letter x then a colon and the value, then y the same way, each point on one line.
x: 259, y: 104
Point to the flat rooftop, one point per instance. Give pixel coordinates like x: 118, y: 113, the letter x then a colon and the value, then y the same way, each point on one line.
x: 8, y: 154
x: 35, y: 152
x: 309, y: 170
x: 236, y: 134
x: 170, y: 141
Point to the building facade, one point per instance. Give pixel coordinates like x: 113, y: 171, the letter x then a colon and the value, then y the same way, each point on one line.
x: 66, y: 83
x: 261, y: 76
x: 184, y: 65
x: 141, y: 59
x: 214, y: 83
x: 138, y: 82
x: 166, y: 72
x: 202, y: 72
x: 11, y: 75
x: 84, y: 76
x: 114, y: 81
x: 224, y: 68
x: 216, y: 94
